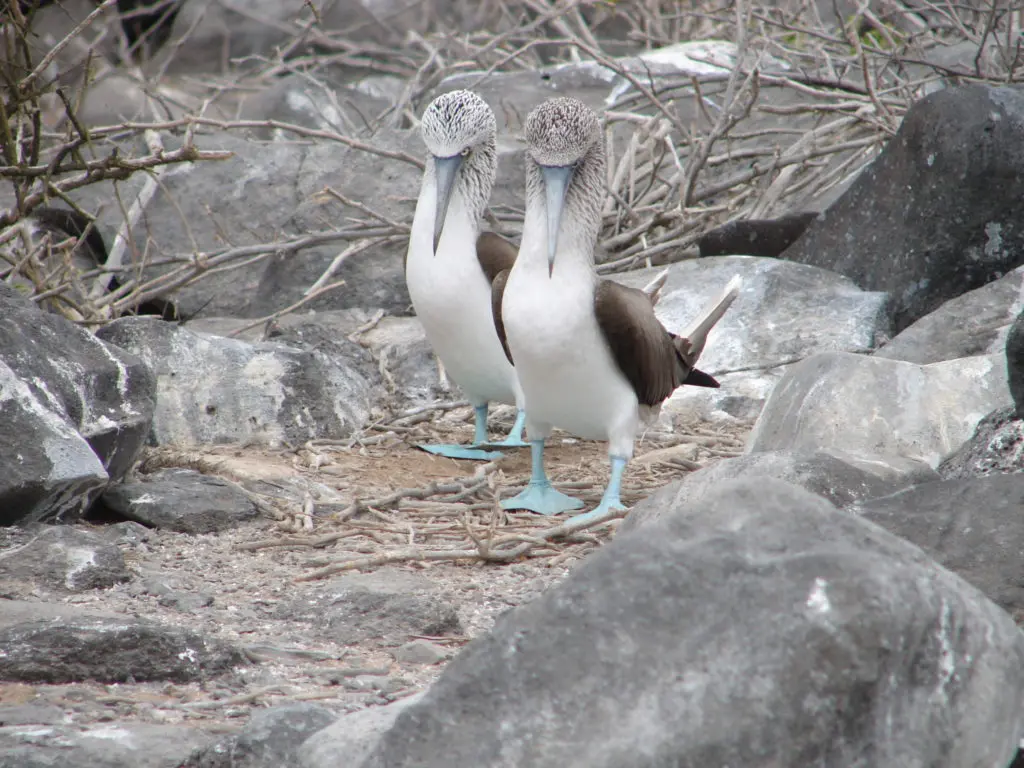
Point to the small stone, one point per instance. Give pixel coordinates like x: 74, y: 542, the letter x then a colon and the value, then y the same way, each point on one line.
x: 421, y: 652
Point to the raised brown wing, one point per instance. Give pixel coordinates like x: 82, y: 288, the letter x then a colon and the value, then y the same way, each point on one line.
x: 495, y: 254
x: 497, y: 293
x: 644, y: 350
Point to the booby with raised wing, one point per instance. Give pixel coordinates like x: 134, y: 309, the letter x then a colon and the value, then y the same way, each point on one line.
x: 450, y: 264
x: 591, y: 355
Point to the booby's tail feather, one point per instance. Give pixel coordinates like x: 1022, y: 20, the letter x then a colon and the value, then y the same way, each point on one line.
x: 653, y: 288
x: 692, y: 339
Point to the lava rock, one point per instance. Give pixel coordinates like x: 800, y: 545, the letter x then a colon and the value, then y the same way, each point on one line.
x: 1015, y: 362
x: 865, y: 406
x: 387, y: 605
x: 76, y: 412
x: 216, y: 390
x: 841, y: 645
x: 784, y: 313
x: 755, y: 237
x: 181, y: 500
x: 996, y: 447
x: 350, y: 738
x: 66, y: 558
x: 57, y: 644
x: 123, y: 745
x: 905, y: 229
x: 269, y: 740
x: 976, y: 323
x: 974, y: 527
x: 839, y: 481
x: 420, y: 652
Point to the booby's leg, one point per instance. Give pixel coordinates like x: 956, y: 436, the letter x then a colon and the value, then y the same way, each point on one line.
x: 515, y: 437
x: 611, y: 499
x: 471, y: 452
x: 539, y: 496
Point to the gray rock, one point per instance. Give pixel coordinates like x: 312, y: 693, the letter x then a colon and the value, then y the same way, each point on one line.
x: 76, y: 413
x: 46, y: 643
x: 839, y: 481
x: 784, y: 313
x: 1015, y: 362
x: 120, y: 745
x: 66, y: 558
x: 402, y: 345
x: 420, y: 652
x: 974, y: 527
x: 842, y: 645
x: 30, y: 714
x: 975, y: 323
x: 903, y: 228
x: 269, y: 740
x: 181, y: 500
x: 212, y: 389
x: 387, y: 605
x: 350, y: 738
x: 866, y: 406
x: 997, y: 447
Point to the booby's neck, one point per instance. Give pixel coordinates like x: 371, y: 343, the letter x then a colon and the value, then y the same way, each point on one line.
x: 581, y: 217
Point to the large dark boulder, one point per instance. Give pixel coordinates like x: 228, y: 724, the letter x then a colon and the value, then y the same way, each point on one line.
x: 938, y: 213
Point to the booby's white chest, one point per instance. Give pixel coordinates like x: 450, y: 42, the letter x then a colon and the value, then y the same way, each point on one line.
x: 569, y: 378
x: 452, y: 299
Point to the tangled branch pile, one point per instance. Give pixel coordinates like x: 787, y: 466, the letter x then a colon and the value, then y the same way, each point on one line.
x: 803, y: 97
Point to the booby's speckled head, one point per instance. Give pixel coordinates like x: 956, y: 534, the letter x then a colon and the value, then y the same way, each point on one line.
x: 561, y: 131
x: 459, y: 130
x: 566, y: 145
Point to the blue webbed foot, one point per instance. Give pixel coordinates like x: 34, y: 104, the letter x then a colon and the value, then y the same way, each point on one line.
x: 543, y: 499
x: 515, y: 436
x: 462, y: 452
x: 611, y: 499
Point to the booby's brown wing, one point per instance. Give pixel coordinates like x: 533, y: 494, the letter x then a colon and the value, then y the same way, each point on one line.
x: 496, y: 256
x: 645, y: 352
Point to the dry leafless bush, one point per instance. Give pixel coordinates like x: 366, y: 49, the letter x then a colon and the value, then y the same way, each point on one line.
x: 810, y: 98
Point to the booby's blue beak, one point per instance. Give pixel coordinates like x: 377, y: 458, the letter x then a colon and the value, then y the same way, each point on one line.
x: 446, y: 170
x: 556, y: 182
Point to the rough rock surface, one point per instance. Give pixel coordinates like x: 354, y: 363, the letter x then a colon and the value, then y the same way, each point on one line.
x: 66, y: 558
x: 864, y: 406
x: 904, y: 228
x: 269, y: 740
x: 839, y: 481
x: 976, y: 323
x: 631, y: 660
x: 997, y: 446
x: 974, y: 527
x: 212, y: 389
x: 349, y: 739
x: 1015, y: 362
x: 75, y: 410
x: 62, y: 644
x: 385, y: 605
x: 181, y: 500
x: 101, y: 746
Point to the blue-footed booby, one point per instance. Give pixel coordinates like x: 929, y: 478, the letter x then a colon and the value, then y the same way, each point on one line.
x: 591, y: 355
x: 450, y: 265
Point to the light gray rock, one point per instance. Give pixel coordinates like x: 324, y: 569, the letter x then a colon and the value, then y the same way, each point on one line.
x: 66, y: 558
x: 349, y: 739
x: 976, y: 323
x: 972, y: 526
x: 865, y: 406
x: 420, y: 652
x: 212, y: 389
x: 114, y: 745
x: 997, y: 447
x: 181, y: 500
x: 75, y: 410
x: 49, y: 643
x: 784, y: 313
x: 386, y: 606
x: 841, y: 645
x: 269, y: 740
x: 839, y: 481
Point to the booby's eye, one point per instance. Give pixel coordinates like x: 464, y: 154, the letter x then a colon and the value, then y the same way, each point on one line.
x: 465, y: 152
